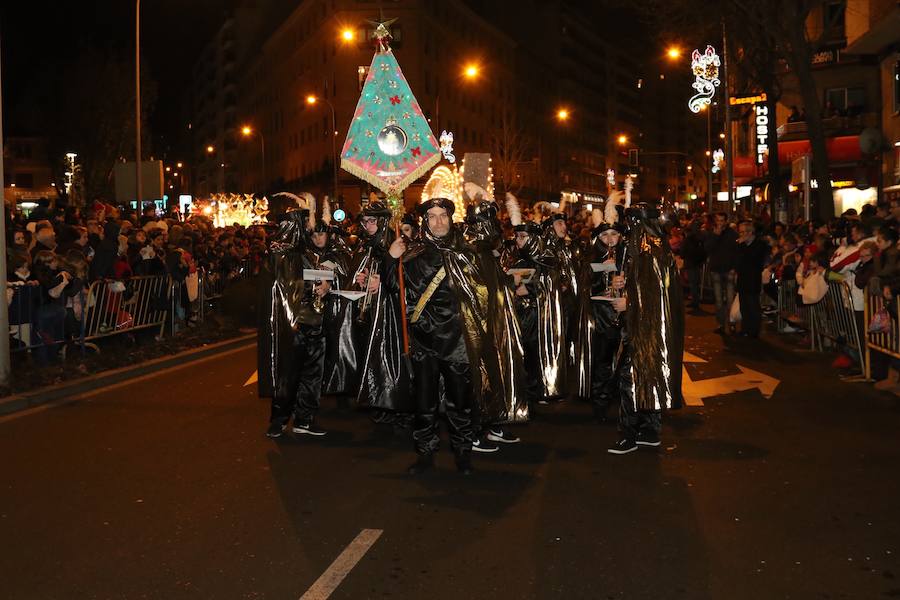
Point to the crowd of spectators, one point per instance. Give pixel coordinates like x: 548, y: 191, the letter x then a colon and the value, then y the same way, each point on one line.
x: 54, y: 255
x: 749, y: 259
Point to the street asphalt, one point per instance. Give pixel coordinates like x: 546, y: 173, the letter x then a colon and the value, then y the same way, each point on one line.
x: 166, y: 488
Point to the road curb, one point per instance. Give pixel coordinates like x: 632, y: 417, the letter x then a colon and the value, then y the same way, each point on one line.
x: 60, y: 391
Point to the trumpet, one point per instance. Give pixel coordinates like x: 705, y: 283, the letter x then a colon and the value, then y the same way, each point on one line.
x: 370, y: 266
x: 318, y: 303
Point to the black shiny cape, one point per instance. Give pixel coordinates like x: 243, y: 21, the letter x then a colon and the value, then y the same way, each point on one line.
x: 384, y: 376
x: 554, y: 295
x: 341, y: 365
x: 594, y: 317
x: 489, y: 330
x: 503, y: 334
x: 655, y: 314
x: 285, y: 305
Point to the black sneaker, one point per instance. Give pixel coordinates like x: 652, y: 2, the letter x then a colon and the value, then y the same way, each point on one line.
x: 483, y: 445
x: 623, y: 446
x: 276, y: 428
x: 502, y: 437
x: 423, y: 463
x: 647, y: 438
x: 307, y: 429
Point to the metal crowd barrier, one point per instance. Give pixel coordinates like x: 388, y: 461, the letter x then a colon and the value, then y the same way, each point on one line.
x: 887, y: 342
x: 34, y: 323
x: 791, y: 312
x: 835, y: 319
x: 214, y: 281
x: 113, y: 307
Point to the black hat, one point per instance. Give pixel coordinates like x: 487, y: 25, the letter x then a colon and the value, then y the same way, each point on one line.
x: 444, y: 203
x: 375, y: 209
x: 485, y: 210
x: 409, y: 219
x: 529, y: 227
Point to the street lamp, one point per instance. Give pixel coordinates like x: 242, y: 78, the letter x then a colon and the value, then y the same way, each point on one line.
x: 210, y: 149
x: 248, y: 131
x: 311, y: 100
x: 348, y: 35
x: 471, y: 71
x: 622, y: 139
x: 562, y: 114
x: 673, y: 52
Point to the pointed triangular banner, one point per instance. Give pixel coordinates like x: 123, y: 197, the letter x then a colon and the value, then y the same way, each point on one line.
x: 389, y: 143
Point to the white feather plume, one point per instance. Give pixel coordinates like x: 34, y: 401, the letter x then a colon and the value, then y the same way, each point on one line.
x: 629, y: 185
x: 512, y: 207
x: 311, y: 204
x: 610, y: 214
x: 473, y: 191
x: 326, y: 211
x: 596, y: 217
x: 541, y: 208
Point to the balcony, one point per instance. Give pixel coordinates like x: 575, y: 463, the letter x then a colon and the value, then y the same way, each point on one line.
x: 834, y: 127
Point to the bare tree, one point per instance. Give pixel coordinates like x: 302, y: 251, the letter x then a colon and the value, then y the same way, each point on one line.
x: 508, y: 149
x: 774, y: 38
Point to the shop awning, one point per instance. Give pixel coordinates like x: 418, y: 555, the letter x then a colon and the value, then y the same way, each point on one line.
x: 842, y: 149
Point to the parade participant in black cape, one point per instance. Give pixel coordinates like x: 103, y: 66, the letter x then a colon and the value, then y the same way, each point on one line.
x: 484, y: 233
x: 384, y: 384
x: 453, y: 357
x: 291, y: 343
x: 527, y: 253
x: 649, y: 364
x: 601, y: 324
x: 557, y: 302
x: 328, y: 250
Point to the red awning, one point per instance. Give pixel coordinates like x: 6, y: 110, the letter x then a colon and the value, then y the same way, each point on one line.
x: 841, y: 149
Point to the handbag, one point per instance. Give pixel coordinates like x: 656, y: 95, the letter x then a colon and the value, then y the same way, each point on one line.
x: 881, y: 321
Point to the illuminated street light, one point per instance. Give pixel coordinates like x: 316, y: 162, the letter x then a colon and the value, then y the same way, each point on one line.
x: 348, y: 35
x: 471, y: 71
x: 708, y: 153
x: 562, y: 114
x: 179, y: 165
x: 210, y: 149
x: 175, y: 174
x: 674, y: 52
x: 622, y: 139
x: 311, y: 99
x: 246, y: 130
x: 168, y: 169
x: 722, y: 136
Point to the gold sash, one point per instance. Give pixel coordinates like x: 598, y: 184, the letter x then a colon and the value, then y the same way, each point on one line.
x: 427, y: 294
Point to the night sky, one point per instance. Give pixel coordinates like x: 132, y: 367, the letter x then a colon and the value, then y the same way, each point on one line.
x: 39, y: 38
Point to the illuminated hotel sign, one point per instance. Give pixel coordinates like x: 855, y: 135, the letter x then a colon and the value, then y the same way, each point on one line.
x: 761, y: 128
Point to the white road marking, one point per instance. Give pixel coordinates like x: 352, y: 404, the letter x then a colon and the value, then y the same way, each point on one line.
x: 695, y: 391
x: 342, y: 565
x: 692, y: 358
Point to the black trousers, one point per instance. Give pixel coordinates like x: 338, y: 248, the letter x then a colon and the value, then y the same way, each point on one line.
x: 631, y: 420
x: 604, y: 376
x: 751, y: 313
x: 428, y: 373
x: 302, y: 393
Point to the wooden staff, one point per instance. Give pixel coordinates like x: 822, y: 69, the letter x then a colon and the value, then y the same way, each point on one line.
x: 403, y: 325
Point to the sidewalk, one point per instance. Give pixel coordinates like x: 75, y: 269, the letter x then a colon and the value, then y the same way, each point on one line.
x: 93, y: 383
